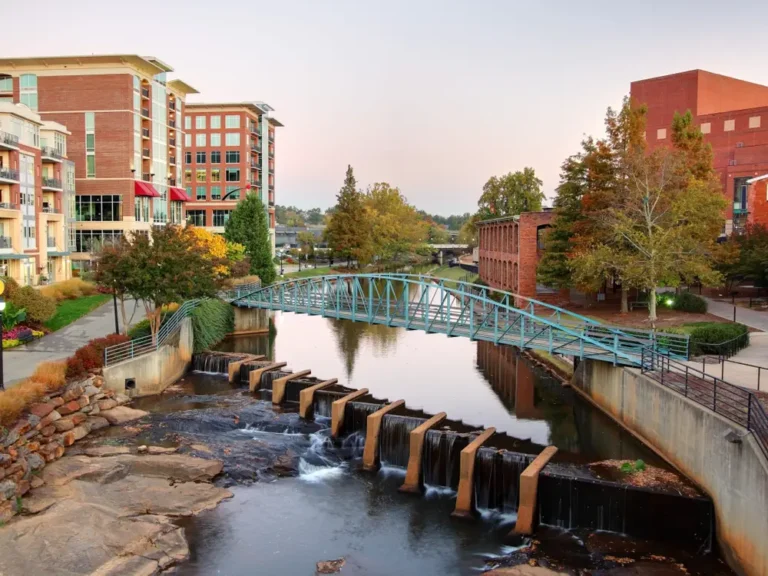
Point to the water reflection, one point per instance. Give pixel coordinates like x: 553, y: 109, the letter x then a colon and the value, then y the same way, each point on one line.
x: 350, y: 335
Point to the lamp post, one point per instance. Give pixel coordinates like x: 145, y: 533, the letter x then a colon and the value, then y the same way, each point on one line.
x: 228, y: 194
x: 2, y: 309
x: 299, y: 258
x: 114, y: 301
x: 281, y: 263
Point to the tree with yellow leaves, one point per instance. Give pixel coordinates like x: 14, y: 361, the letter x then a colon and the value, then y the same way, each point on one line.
x: 219, y: 249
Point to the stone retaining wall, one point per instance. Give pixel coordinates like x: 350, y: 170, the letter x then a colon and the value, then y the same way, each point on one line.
x: 44, y: 432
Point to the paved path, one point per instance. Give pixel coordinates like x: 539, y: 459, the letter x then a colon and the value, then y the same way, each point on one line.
x: 19, y: 363
x: 752, y: 318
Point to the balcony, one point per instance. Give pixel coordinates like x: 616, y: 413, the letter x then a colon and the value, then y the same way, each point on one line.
x: 254, y: 165
x: 271, y: 168
x: 48, y: 154
x: 145, y: 93
x: 255, y: 183
x: 146, y: 176
x: 145, y: 132
x: 271, y: 136
x: 145, y: 112
x: 172, y: 160
x: 5, y: 242
x: 50, y: 210
x: 51, y: 242
x: 8, y: 206
x: 172, y: 181
x: 172, y: 123
x: 8, y: 141
x: 145, y: 152
x: 171, y: 105
x: 255, y: 129
x: 255, y: 148
x: 54, y: 183
x: 172, y: 142
x: 8, y: 175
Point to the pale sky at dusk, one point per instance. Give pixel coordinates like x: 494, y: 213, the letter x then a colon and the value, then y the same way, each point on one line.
x: 431, y: 96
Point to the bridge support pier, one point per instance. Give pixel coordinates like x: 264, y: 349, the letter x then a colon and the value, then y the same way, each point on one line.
x: 529, y: 485
x: 467, y: 475
x: 372, y: 429
x: 337, y: 410
x: 307, y: 397
x: 254, y: 378
x: 278, y: 386
x: 234, y: 367
x: 412, y: 482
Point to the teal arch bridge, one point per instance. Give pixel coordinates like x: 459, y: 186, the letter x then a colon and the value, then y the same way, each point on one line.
x: 462, y: 309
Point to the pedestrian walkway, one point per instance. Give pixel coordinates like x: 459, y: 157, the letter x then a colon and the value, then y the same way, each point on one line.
x: 753, y: 318
x: 748, y: 368
x: 19, y: 363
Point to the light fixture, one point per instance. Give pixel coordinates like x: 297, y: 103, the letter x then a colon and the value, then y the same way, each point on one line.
x: 2, y: 305
x: 670, y: 301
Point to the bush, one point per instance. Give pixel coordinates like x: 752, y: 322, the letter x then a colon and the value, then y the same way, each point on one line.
x: 13, y: 401
x: 91, y: 356
x: 68, y: 289
x: 212, y: 320
x: 142, y: 328
x: 252, y: 279
x: 683, y: 302
x: 11, y: 286
x: 705, y: 337
x: 52, y: 374
x: 39, y: 308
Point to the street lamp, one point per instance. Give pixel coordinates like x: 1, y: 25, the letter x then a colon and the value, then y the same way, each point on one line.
x: 282, y: 254
x: 299, y: 258
x: 228, y: 194
x: 2, y: 309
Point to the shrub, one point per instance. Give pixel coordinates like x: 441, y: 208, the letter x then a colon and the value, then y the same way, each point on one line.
x: 52, y: 374
x: 13, y: 401
x: 212, y: 320
x: 39, y: 308
x: 142, y: 328
x: 12, y: 316
x: 11, y: 286
x: 686, y: 302
x: 75, y: 367
x: 706, y: 336
x: 91, y: 356
x: 68, y: 289
x: 252, y: 279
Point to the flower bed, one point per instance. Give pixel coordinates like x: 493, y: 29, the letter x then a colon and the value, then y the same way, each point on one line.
x: 20, y: 335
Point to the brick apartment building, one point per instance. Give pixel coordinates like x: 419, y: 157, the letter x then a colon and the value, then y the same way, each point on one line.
x: 509, y: 252
x: 126, y: 123
x: 37, y: 186
x: 733, y: 115
x: 229, y: 151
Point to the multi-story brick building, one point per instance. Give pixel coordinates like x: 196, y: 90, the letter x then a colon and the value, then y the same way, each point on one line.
x: 36, y: 195
x: 126, y: 123
x: 733, y: 115
x: 509, y: 252
x: 229, y: 151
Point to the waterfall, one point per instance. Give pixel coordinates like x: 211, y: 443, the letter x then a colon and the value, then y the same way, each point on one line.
x: 394, y: 442
x: 486, y: 479
x: 442, y: 451
x: 512, y: 465
x: 323, y: 399
x: 268, y: 377
x: 356, y: 416
x: 247, y: 367
x: 212, y: 362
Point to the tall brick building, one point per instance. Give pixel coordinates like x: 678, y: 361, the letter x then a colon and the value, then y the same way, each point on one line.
x: 229, y: 151
x: 126, y: 123
x: 733, y: 115
x: 509, y: 252
x: 36, y: 195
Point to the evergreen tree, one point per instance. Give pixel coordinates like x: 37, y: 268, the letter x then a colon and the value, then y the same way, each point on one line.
x: 247, y: 225
x: 348, y: 230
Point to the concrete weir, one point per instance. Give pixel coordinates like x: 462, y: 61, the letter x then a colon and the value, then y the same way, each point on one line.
x: 373, y: 427
x: 413, y: 473
x: 467, y: 474
x: 529, y: 485
x: 307, y: 397
x: 278, y: 386
x: 254, y: 378
x: 339, y: 406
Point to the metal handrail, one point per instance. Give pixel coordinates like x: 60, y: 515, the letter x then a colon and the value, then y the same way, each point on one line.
x: 147, y: 344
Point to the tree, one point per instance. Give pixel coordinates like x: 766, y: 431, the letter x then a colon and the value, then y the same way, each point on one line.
x: 217, y: 247
x: 468, y: 231
x: 114, y: 271
x: 306, y: 242
x: 745, y: 257
x: 437, y: 234
x: 314, y: 216
x: 349, y: 232
x: 170, y: 267
x: 247, y: 225
x: 511, y: 194
x: 396, y: 227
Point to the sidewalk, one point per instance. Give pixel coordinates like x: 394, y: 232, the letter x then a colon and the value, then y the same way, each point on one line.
x: 732, y: 372
x: 752, y: 318
x: 19, y: 363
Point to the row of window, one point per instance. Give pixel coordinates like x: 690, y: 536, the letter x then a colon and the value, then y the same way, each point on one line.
x: 201, y: 193
x: 230, y: 121
x: 201, y: 175
x: 230, y: 157
x: 93, y: 240
x: 198, y: 217
x: 102, y: 208
x: 706, y: 127
x: 230, y: 139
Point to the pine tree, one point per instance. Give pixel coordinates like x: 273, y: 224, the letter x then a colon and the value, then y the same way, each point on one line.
x: 247, y: 225
x: 348, y: 230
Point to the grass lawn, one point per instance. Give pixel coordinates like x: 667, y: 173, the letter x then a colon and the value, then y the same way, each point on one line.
x: 307, y: 272
x: 67, y: 311
x: 455, y: 273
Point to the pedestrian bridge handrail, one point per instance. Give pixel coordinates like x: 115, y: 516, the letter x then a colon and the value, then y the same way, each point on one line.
x: 458, y: 308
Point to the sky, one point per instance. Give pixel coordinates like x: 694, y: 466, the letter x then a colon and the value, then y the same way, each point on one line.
x: 431, y: 96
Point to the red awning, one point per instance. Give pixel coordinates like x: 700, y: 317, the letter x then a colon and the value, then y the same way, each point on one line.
x: 180, y: 195
x: 145, y: 189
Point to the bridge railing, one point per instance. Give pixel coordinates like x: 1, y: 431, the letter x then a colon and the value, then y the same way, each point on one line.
x: 147, y: 344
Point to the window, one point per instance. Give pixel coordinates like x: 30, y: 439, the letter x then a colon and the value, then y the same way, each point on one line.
x: 754, y: 121
x: 176, y: 212
x: 740, y: 189
x: 200, y: 157
x: 541, y: 236
x: 141, y: 209
x: 189, y: 191
x: 6, y: 84
x: 200, y: 122
x: 90, y: 166
x: 232, y: 121
x: 200, y: 175
x: 201, y: 193
x: 706, y: 127
x: 235, y: 195
x: 220, y: 217
x: 28, y: 81
x: 200, y: 140
x: 216, y: 139
x: 90, y: 142
x: 233, y: 156
x: 215, y: 122
x: 232, y: 139
x: 90, y: 121
x: 196, y: 217
x: 215, y: 157
x: 90, y: 145
x: 29, y: 100
x: 187, y: 140
x: 661, y: 134
x: 233, y: 175
x: 92, y: 240
x: 215, y: 175
x: 102, y: 208
x: 215, y: 192
x: 28, y: 90
x: 729, y: 125
x: 188, y: 123
x: 188, y: 157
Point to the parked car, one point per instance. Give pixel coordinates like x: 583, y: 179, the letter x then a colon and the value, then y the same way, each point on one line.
x: 453, y: 263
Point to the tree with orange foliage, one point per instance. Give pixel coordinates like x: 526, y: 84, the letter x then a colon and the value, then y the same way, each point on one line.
x: 219, y: 249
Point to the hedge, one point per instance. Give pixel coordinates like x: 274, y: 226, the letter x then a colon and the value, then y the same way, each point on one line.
x: 212, y: 320
x: 683, y: 302
x: 706, y: 337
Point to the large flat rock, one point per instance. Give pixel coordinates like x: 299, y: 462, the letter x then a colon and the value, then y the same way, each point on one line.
x: 122, y: 414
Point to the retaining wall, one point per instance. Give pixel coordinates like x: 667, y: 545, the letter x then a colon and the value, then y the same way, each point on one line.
x: 693, y: 438
x: 251, y: 320
x: 155, y: 371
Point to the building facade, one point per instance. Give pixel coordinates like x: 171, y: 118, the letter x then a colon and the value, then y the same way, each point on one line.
x: 733, y: 115
x: 509, y: 250
x: 125, y: 119
x: 229, y: 151
x: 36, y: 193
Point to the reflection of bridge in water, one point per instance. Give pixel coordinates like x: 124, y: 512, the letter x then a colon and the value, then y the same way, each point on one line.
x: 461, y: 309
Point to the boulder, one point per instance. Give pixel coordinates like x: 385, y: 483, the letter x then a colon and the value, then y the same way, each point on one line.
x: 91, y: 390
x: 42, y: 410
x: 122, y: 399
x: 73, y: 392
x: 122, y: 414
x: 161, y: 450
x: 102, y: 451
x: 330, y: 566
x: 48, y: 431
x: 94, y: 409
x: 80, y: 432
x: 36, y: 462
x: 50, y: 419
x: 58, y: 401
x: 64, y: 424
x: 7, y: 490
x: 106, y: 404
x: 97, y: 423
x: 69, y: 408
x: 83, y: 401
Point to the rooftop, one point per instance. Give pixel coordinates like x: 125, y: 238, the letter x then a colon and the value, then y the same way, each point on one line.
x: 258, y: 108
x: 20, y: 110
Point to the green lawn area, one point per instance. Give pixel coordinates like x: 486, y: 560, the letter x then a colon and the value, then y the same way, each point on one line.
x: 67, y: 311
x: 307, y: 272
x: 456, y: 273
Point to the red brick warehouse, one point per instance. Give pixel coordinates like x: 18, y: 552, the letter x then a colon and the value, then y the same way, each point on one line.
x: 733, y: 115
x: 509, y: 252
